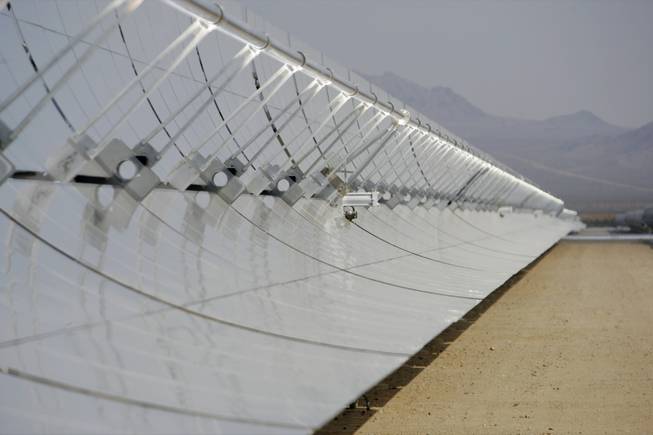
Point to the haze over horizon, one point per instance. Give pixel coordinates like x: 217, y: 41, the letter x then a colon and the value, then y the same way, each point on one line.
x: 531, y: 60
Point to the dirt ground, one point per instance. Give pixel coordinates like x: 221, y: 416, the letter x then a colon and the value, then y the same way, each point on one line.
x: 566, y: 347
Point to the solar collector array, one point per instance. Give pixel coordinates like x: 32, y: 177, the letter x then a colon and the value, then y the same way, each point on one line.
x: 184, y: 312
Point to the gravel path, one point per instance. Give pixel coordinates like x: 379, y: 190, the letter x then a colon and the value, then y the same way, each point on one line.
x: 567, y: 348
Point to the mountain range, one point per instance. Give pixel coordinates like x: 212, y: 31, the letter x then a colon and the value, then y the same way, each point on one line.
x: 590, y: 163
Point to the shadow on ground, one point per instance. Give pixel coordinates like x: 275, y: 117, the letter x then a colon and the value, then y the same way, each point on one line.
x: 352, y: 418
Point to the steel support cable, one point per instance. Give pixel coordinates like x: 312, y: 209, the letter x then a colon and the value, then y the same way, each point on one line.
x: 402, y: 165
x: 38, y: 76
x: 496, y: 183
x: 121, y: 55
x: 392, y: 167
x: 214, y: 96
x: 97, y: 394
x: 279, y: 75
x: 276, y: 82
x: 278, y: 79
x: 68, y: 47
x: 271, y: 122
x: 409, y: 162
x: 431, y: 164
x: 361, y: 128
x: 264, y: 230
x: 475, y: 187
x: 457, y: 244
x: 125, y: 10
x: 371, y: 126
x: 383, y: 176
x: 313, y: 89
x: 467, y: 182
x: 69, y: 329
x: 227, y: 73
x: 444, y: 153
x: 303, y: 108
x: 333, y: 107
x: 423, y: 253
x: 457, y: 175
x: 142, y: 86
x: 371, y: 159
x: 198, y: 33
x: 337, y: 125
x: 383, y: 137
x: 442, y: 166
x: 237, y: 30
x: 476, y: 227
x: 215, y: 319
x: 288, y: 163
x: 417, y: 169
x: 319, y: 260
x: 417, y: 162
x: 368, y: 167
x: 226, y: 322
x: 72, y: 328
x: 472, y: 243
x: 350, y: 119
x: 460, y: 195
x: 463, y: 169
x: 193, y: 29
x: 387, y: 157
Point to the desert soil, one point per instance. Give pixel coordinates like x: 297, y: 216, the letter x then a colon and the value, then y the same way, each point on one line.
x: 567, y: 347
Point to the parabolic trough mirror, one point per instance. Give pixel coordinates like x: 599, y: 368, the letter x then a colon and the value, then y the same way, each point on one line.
x: 174, y: 252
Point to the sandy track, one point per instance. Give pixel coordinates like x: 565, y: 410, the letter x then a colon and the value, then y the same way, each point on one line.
x: 568, y: 348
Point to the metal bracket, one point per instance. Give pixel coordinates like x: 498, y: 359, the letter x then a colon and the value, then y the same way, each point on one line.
x: 393, y: 202
x: 223, y: 179
x: 285, y: 181
x: 187, y: 171
x: 294, y: 193
x: 6, y: 168
x: 308, y: 187
x: 369, y: 186
x: 335, y: 187
x: 146, y: 154
x: 120, y: 162
x: 68, y: 161
x: 415, y: 199
x: 263, y: 177
x: 428, y: 204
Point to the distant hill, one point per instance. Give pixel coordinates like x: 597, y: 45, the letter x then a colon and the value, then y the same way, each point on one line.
x: 565, y: 154
x: 640, y: 139
x: 460, y: 116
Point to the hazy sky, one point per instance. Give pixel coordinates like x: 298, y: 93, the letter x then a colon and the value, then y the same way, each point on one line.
x: 530, y: 59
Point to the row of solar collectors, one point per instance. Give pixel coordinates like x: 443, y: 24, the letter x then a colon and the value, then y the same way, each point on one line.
x: 183, y: 312
x: 187, y: 313
x: 150, y: 76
